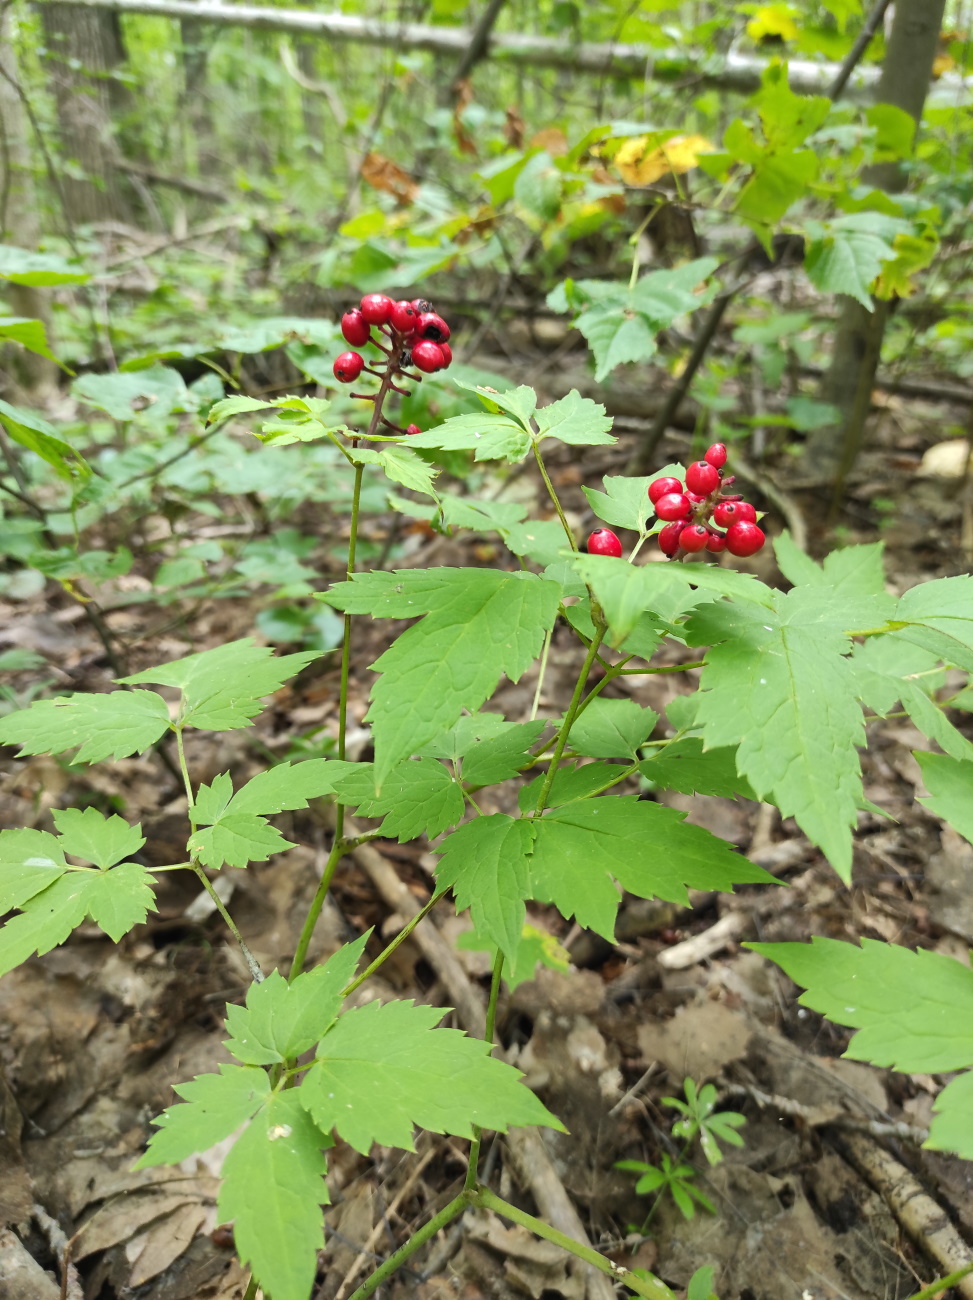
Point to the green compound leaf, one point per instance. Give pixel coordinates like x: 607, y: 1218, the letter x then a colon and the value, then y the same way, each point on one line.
x: 951, y: 1129
x: 855, y: 570
x: 950, y: 785
x: 490, y: 748
x: 625, y: 501
x: 939, y: 616
x: 119, y: 899
x: 486, y: 865
x: 91, y: 835
x: 383, y: 1069
x: 684, y: 765
x: 272, y: 1189
x: 777, y: 685
x: 30, y: 861
x: 913, y: 1010
x: 104, y: 726
x: 540, y: 539
x: 575, y: 420
x: 286, y: 786
x: 612, y: 728
x: 418, y: 797
x: 211, y: 800
x: 214, y: 1106
x: 490, y: 437
x: 479, y: 624
x: 282, y: 1019
x: 572, y: 783
x: 236, y: 839
x: 223, y: 688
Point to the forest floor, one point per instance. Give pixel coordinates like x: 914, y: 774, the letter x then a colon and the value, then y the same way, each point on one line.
x: 93, y: 1036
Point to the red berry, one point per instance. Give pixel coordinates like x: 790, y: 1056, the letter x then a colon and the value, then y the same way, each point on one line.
x: 403, y: 317
x: 674, y: 505
x: 668, y: 538
x: 447, y: 352
x: 694, y: 537
x: 716, y: 455
x: 744, y: 539
x: 348, y: 367
x: 734, y: 512
x: 716, y: 542
x: 428, y: 356
x: 702, y: 477
x: 661, y: 487
x: 412, y: 428
x: 355, y: 328
x: 430, y: 326
x: 376, y: 308
x: 419, y: 305
x: 694, y: 498
x: 604, y: 542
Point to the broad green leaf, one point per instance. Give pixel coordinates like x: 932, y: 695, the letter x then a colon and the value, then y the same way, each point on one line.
x: 286, y: 785
x: 30, y: 861
x: 211, y: 800
x: 236, y: 405
x: 123, y: 395
x: 223, y: 687
x: 30, y: 431
x: 520, y: 403
x: 847, y: 254
x: 950, y: 785
x: 777, y: 685
x: 855, y: 570
x: 402, y: 465
x: 104, y: 726
x: 21, y: 266
x: 541, y: 539
x: 951, y: 1129
x: 932, y: 722
x: 625, y: 502
x: 46, y: 920
x: 612, y: 728
x: 684, y: 765
x: 418, y: 797
x: 491, y: 437
x: 939, y: 615
x: 384, y: 1068
x: 499, y: 757
x: 272, y: 1189
x: 119, y: 899
x: 571, y: 783
x: 575, y: 420
x: 913, y: 1010
x: 538, y: 187
x: 479, y: 624
x: 30, y: 334
x: 486, y: 865
x: 213, y: 1107
x: 236, y: 839
x: 282, y: 1020
x: 90, y: 835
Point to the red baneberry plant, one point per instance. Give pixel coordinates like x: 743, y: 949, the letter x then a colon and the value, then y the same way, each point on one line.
x: 778, y: 716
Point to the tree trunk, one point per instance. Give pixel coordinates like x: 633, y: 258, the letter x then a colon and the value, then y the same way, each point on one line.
x: 904, y: 83
x: 84, y: 51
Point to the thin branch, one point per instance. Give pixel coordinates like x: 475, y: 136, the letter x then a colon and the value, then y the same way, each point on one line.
x: 862, y: 42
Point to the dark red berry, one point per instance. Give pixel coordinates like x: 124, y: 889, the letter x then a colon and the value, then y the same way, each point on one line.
x: 376, y: 308
x: 430, y: 326
x: 403, y: 317
x: 604, y: 542
x: 716, y: 455
x: 419, y: 305
x: 744, y: 539
x: 674, y: 505
x: 734, y: 512
x: 661, y: 487
x: 693, y: 537
x: 716, y: 542
x: 668, y: 538
x: 428, y: 356
x: 412, y: 429
x: 702, y: 477
x: 355, y: 328
x: 348, y: 367
x: 447, y: 352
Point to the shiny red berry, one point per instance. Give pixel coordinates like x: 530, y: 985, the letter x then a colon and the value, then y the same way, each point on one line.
x: 744, y: 539
x: 403, y: 317
x: 447, y: 352
x: 716, y: 455
x: 734, y: 512
x: 661, y: 487
x: 702, y: 477
x: 428, y: 356
x: 694, y: 537
x: 668, y: 538
x: 348, y: 367
x: 604, y: 542
x: 716, y: 542
x: 430, y: 326
x: 412, y: 429
x: 376, y: 308
x: 355, y: 328
x: 674, y: 505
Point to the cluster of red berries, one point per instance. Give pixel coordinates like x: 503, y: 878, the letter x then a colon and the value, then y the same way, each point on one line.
x: 416, y: 335
x: 690, y: 512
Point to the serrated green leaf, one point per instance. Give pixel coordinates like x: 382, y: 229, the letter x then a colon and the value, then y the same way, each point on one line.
x: 228, y: 406
x: 119, y: 899
x: 576, y: 420
x: 855, y: 570
x: 211, y: 800
x: 46, y: 920
x: 30, y: 861
x: 272, y: 1189
x: 479, y: 624
x: 491, y: 437
x: 282, y: 1020
x: 932, y: 722
x: 104, y: 726
x: 950, y: 785
x: 951, y: 1129
x: 214, y: 1106
x: 684, y: 765
x: 846, y: 258
x: 402, y: 465
x: 486, y: 865
x: 940, y: 619
x: 521, y: 403
x: 383, y: 1069
x: 236, y: 839
x: 287, y: 785
x: 223, y: 687
x: 570, y: 783
x: 624, y: 503
x: 89, y: 834
x: 913, y: 1010
x: 612, y: 728
x: 30, y: 334
x: 418, y: 797
x: 500, y: 757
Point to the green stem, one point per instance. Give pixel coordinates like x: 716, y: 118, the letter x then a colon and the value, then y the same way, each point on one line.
x: 388, y: 951
x: 446, y: 1215
x: 936, y: 1289
x: 554, y: 497
x: 491, y: 1022
x: 253, y: 1286
x: 338, y: 849
x: 540, y: 674
x: 652, y: 1288
x: 573, y: 709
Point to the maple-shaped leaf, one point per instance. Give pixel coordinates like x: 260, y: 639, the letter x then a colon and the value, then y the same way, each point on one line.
x: 98, y: 726
x: 89, y: 834
x: 119, y: 899
x: 30, y: 861
x: 223, y: 688
x: 384, y: 1068
x: 855, y: 570
x: 479, y: 624
x: 612, y: 728
x: 575, y: 420
x: 418, y: 797
x: 236, y: 839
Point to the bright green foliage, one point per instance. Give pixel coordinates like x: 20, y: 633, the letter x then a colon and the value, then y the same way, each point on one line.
x: 612, y: 728
x: 30, y: 334
x: 939, y: 618
x: 701, y: 1119
x: 846, y: 255
x: 890, y: 670
x: 286, y: 786
x: 400, y: 464
x: 684, y: 765
x: 418, y: 797
x: 855, y: 570
x: 950, y: 785
x: 104, y: 726
x: 223, y: 687
x: 485, y: 863
x: 89, y: 835
x: 489, y: 748
x: 625, y: 501
x: 20, y: 266
x: 382, y: 1069
x: 537, y: 947
x: 572, y: 783
x: 29, y: 861
x: 540, y: 539
x: 913, y: 1012
x: 479, y: 624
x: 213, y: 1106
x: 676, y: 1179
x: 702, y: 1283
x: 296, y: 419
x: 575, y: 420
x: 36, y: 435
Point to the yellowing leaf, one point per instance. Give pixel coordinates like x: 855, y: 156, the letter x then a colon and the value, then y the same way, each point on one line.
x: 914, y: 253
x: 773, y: 21
x: 638, y: 165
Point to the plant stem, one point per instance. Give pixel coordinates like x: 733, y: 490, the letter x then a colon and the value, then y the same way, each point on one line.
x: 491, y: 1021
x: 390, y: 948
x: 446, y: 1215
x: 653, y: 1289
x: 554, y: 497
x: 937, y: 1289
x: 253, y: 1286
x: 573, y: 710
x: 540, y: 674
